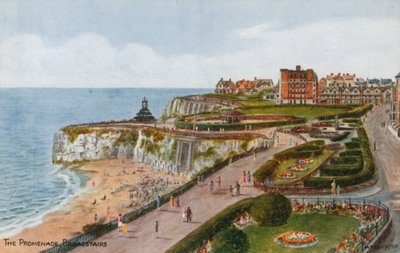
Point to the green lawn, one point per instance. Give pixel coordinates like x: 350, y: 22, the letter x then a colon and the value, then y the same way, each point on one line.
x: 284, y: 168
x: 324, y: 227
x: 309, y: 112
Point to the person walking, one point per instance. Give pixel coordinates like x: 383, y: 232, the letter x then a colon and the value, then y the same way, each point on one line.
x: 333, y: 187
x: 158, y: 201
x: 338, y: 190
x: 189, y: 214
x: 156, y: 228
x: 177, y: 204
x: 244, y: 177
x: 248, y: 177
x: 184, y: 211
x: 172, y: 202
x: 211, y: 186
x: 231, y: 190
x: 119, y: 220
x: 237, y: 188
x: 219, y: 183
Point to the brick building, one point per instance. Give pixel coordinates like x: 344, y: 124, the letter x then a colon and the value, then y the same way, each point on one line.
x: 298, y: 86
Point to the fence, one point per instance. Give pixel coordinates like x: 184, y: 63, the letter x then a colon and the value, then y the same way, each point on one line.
x: 380, y: 219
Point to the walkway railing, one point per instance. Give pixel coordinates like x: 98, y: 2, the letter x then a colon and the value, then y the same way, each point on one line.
x: 367, y: 238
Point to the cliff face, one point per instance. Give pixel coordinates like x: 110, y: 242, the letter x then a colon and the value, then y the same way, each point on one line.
x: 186, y: 154
x: 91, y: 145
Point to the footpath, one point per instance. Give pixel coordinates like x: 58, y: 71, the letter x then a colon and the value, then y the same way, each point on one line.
x: 141, y: 236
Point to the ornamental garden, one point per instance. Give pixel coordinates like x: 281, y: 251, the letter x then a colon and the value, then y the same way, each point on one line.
x: 273, y: 223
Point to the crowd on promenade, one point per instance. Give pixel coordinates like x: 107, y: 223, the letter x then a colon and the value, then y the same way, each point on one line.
x: 372, y: 218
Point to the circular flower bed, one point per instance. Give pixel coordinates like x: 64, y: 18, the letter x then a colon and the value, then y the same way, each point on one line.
x: 297, y: 239
x: 287, y: 175
x: 298, y: 168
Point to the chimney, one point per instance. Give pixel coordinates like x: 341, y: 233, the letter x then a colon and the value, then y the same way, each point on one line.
x: 255, y: 78
x: 230, y: 80
x: 298, y: 67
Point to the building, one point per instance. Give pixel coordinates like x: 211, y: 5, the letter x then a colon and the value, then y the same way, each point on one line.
x: 347, y: 89
x: 243, y: 86
x: 233, y: 117
x: 144, y: 115
x: 394, y: 112
x: 395, y: 106
x: 225, y: 86
x: 354, y: 95
x: 298, y: 86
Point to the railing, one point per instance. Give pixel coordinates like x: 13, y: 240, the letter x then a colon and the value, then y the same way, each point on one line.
x: 380, y: 213
x: 102, y: 229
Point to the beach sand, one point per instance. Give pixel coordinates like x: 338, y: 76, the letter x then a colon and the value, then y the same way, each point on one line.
x: 65, y: 223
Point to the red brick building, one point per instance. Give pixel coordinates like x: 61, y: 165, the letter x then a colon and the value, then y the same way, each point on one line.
x: 298, y: 86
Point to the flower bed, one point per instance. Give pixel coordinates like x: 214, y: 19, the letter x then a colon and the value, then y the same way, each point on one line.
x: 305, y: 161
x: 287, y: 175
x: 298, y: 168
x: 295, y: 239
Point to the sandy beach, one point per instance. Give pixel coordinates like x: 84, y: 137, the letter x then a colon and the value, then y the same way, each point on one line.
x: 119, y: 181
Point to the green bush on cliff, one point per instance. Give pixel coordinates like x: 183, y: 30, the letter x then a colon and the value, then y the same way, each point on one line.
x: 127, y: 137
x: 72, y: 132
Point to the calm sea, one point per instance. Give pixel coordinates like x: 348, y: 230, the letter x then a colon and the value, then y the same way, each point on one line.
x: 30, y: 185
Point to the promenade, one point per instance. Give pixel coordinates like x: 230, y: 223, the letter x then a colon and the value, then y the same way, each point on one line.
x: 141, y: 236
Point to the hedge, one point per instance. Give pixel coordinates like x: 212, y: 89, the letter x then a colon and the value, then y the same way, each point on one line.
x: 365, y: 174
x: 265, y: 170
x: 352, y: 152
x: 303, y: 150
x: 352, y: 145
x: 355, y: 113
x: 356, y: 121
x: 342, y: 169
x: 238, y: 126
x: 346, y: 160
x: 340, y: 137
x: 207, y: 230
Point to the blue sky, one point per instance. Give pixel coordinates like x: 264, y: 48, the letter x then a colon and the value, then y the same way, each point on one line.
x: 53, y: 43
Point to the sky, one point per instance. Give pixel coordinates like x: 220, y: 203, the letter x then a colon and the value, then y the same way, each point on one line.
x: 185, y: 44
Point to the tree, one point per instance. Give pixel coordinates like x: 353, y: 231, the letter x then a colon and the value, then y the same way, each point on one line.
x: 272, y: 209
x: 230, y: 240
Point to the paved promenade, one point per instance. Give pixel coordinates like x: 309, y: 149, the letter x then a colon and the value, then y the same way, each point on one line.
x: 141, y: 236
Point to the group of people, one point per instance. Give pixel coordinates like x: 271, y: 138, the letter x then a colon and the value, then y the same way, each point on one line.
x: 335, y: 189
x: 242, y: 219
x: 246, y: 177
x: 211, y: 184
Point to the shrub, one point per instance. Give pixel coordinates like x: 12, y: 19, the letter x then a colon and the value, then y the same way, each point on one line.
x: 207, y: 230
x: 352, y: 145
x: 265, y: 170
x: 353, y: 152
x: 305, y: 150
x: 230, y: 240
x: 352, y: 120
x: 366, y: 173
x: 340, y: 137
x: 271, y: 209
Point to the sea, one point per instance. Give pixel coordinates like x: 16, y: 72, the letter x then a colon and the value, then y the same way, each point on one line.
x: 30, y: 185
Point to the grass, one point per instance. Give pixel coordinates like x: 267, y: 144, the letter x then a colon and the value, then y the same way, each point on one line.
x: 309, y: 112
x: 284, y: 168
x: 324, y: 227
